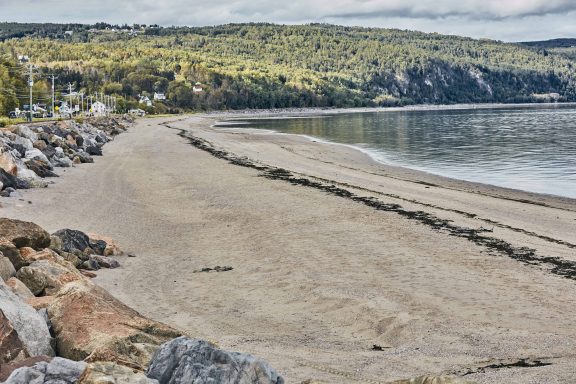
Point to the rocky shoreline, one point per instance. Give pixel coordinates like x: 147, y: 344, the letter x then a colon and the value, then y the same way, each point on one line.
x: 56, y: 325
x: 30, y: 153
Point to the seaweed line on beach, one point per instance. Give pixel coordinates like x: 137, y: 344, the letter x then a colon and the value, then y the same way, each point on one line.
x: 521, y: 363
x: 457, y: 211
x: 555, y: 265
x: 463, y: 213
x: 425, y: 183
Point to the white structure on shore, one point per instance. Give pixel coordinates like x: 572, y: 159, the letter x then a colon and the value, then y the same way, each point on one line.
x: 137, y: 112
x: 159, y: 96
x: 98, y: 108
x: 198, y: 87
x: 145, y: 100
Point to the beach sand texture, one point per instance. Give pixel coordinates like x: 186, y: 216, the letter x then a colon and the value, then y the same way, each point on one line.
x: 319, y: 279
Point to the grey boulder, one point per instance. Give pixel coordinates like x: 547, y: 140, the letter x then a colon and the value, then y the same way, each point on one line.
x: 6, y: 268
x: 189, y: 361
x: 58, y: 371
x: 30, y: 326
x: 72, y: 239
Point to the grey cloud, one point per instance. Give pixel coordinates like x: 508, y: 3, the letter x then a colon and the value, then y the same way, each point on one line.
x: 473, y: 9
x: 499, y: 19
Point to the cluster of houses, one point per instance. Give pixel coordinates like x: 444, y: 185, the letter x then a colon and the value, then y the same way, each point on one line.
x: 158, y: 96
x: 146, y: 100
x: 96, y: 108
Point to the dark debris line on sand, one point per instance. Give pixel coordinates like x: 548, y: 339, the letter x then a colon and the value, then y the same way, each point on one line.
x: 555, y: 265
x: 522, y: 363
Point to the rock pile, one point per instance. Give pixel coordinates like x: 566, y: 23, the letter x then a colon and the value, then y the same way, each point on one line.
x: 29, y: 153
x: 56, y: 326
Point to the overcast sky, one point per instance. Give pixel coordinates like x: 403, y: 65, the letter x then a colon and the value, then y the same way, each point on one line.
x: 508, y: 20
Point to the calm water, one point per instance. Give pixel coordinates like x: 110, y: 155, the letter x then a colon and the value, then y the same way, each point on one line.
x: 531, y: 148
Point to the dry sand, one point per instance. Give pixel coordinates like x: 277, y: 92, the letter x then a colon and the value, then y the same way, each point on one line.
x: 319, y: 279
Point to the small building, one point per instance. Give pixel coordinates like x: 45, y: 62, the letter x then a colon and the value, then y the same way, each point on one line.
x: 69, y: 33
x: 159, y: 96
x: 198, y: 87
x: 145, y: 100
x: 98, y: 108
x: 137, y: 112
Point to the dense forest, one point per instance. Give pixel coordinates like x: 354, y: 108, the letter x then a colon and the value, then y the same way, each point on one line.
x: 276, y: 66
x: 562, y: 47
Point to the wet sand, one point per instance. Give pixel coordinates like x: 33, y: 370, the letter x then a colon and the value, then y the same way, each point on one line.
x: 361, y: 254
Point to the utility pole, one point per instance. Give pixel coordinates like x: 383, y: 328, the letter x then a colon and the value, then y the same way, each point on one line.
x: 31, y: 84
x: 53, y: 112
x: 70, y: 95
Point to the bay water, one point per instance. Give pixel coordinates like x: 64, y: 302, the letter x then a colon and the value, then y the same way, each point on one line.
x: 531, y: 148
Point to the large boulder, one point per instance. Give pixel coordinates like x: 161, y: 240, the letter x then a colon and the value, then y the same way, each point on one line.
x: 73, y: 239
x: 105, y: 262
x: 60, y: 160
x: 6, y: 268
x: 94, y: 150
x: 29, y: 179
x: 8, y: 180
x: 24, y: 131
x: 91, y: 325
x: 31, y: 328
x: 7, y: 163
x: 19, y: 288
x: 23, y: 144
x: 30, y: 255
x: 41, y: 302
x: 36, y: 154
x: 11, y: 347
x: 10, y: 251
x: 41, y: 168
x: 7, y: 369
x: 111, y: 373
x: 49, y: 151
x: 46, y: 277
x: 184, y: 360
x: 84, y: 157
x: 23, y: 234
x: 57, y: 371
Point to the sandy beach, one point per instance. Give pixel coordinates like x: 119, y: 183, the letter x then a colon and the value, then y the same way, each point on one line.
x: 332, y: 253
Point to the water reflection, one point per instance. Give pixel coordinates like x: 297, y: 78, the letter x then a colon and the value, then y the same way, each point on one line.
x: 531, y: 148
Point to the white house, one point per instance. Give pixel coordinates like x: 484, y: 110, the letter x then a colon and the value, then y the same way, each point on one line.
x: 198, y: 87
x: 145, y: 100
x: 98, y: 108
x: 159, y: 96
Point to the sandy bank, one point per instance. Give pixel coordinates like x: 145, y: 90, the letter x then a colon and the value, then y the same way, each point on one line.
x: 318, y: 278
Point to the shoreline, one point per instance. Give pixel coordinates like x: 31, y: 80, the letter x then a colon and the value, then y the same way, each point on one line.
x: 222, y: 123
x: 408, y: 173
x: 421, y: 175
x: 264, y: 113
x: 318, y: 279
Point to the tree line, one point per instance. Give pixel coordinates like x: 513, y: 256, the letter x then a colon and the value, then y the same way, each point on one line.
x: 274, y: 66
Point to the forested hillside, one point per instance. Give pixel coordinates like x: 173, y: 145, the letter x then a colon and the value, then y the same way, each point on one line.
x: 563, y: 47
x: 272, y: 66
